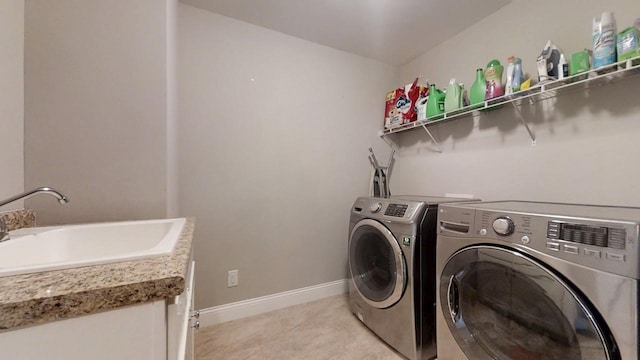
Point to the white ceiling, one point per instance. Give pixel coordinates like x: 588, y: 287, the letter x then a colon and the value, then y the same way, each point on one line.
x: 392, y: 31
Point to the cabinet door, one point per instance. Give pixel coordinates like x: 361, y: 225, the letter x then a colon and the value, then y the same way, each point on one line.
x: 194, y: 323
x: 132, y: 332
x: 178, y: 324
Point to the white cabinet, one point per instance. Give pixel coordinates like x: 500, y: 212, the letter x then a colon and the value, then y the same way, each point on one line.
x: 151, y: 331
x: 179, y: 319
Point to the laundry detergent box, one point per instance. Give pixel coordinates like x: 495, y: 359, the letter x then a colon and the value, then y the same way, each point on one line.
x: 401, y: 104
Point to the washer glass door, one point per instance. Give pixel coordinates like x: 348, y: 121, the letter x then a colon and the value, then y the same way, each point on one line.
x: 502, y: 304
x: 378, y: 268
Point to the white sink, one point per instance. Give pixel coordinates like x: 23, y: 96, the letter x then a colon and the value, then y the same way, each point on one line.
x: 40, y: 249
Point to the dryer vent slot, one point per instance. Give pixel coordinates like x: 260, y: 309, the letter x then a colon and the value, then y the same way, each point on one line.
x: 357, y: 209
x: 456, y: 227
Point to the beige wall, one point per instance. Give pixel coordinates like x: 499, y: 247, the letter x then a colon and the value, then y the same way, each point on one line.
x: 11, y: 99
x: 587, y: 141
x: 172, y: 109
x: 274, y: 133
x: 97, y: 109
x: 270, y: 148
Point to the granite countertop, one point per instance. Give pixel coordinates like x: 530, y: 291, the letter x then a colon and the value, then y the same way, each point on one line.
x: 32, y: 299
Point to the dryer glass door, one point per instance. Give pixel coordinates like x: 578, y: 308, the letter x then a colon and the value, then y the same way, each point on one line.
x: 502, y: 304
x: 378, y: 268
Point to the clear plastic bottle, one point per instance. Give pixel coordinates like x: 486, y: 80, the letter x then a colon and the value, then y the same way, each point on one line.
x: 517, y: 75
x: 508, y: 88
x: 465, y: 96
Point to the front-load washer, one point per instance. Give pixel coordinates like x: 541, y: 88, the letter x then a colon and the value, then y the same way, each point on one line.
x: 392, y: 270
x: 528, y: 280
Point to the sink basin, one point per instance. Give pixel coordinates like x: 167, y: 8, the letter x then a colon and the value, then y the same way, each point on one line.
x: 40, y: 249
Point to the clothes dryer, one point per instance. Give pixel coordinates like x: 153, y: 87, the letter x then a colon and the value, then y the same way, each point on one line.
x: 392, y: 270
x: 527, y: 280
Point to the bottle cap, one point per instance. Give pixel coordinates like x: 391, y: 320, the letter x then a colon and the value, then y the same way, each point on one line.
x: 511, y: 58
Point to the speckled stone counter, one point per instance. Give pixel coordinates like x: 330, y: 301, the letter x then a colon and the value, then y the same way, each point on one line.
x: 18, y: 219
x: 42, y: 297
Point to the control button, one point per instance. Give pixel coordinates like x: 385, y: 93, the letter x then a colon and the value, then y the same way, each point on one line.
x: 375, y: 207
x: 503, y: 226
x: 483, y: 232
x: 553, y: 246
x: 525, y: 239
x: 615, y: 257
x: 570, y: 249
x: 594, y: 253
x: 552, y: 230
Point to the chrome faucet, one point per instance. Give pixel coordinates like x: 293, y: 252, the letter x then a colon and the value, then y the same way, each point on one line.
x: 4, y: 233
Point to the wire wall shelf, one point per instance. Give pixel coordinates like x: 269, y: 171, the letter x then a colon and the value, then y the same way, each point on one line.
x: 541, y: 91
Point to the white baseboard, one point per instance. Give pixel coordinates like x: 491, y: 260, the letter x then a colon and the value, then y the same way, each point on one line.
x: 263, y: 304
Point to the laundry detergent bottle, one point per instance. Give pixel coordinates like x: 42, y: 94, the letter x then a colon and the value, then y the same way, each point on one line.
x: 478, y: 89
x: 453, y: 97
x: 493, y: 76
x: 435, y: 104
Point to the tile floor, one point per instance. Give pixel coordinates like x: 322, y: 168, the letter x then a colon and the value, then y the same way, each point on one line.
x: 323, y: 329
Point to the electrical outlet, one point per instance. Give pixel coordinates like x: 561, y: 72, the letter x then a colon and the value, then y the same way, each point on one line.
x: 232, y: 278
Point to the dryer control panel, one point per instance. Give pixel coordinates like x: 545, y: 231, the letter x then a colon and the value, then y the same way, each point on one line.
x: 387, y: 209
x: 397, y: 210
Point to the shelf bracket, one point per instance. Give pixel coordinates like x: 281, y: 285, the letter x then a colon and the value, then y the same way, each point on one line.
x: 432, y: 138
x: 526, y: 125
x: 389, y: 142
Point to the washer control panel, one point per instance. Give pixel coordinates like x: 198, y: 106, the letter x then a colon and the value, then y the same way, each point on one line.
x: 598, y: 237
x: 597, y: 244
x: 602, y: 236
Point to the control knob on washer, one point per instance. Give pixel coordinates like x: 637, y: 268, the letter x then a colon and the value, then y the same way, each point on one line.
x: 375, y: 207
x: 503, y: 226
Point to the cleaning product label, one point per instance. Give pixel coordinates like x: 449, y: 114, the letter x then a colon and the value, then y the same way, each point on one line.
x: 627, y: 43
x: 493, y: 75
x: 403, y: 104
x: 392, y: 115
x: 604, y: 49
